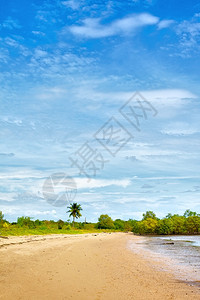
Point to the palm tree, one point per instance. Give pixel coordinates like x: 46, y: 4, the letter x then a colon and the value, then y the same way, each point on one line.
x: 74, y: 210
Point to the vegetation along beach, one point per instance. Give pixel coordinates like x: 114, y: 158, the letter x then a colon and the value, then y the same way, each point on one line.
x: 99, y: 149
x: 104, y: 260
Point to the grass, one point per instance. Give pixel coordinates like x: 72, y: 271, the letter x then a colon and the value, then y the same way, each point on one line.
x: 20, y: 231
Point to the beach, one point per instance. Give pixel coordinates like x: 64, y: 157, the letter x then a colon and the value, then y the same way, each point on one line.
x: 89, y: 266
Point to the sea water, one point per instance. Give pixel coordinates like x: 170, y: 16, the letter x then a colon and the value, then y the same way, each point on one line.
x: 177, y: 254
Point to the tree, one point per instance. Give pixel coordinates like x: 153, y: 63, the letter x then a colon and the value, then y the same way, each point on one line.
x: 25, y: 221
x: 192, y: 224
x: 148, y: 226
x: 189, y: 213
x: 1, y: 217
x: 105, y: 222
x: 165, y: 226
x: 74, y: 210
x: 119, y: 224
x: 168, y: 216
x: 149, y: 214
x: 178, y: 224
x: 60, y: 224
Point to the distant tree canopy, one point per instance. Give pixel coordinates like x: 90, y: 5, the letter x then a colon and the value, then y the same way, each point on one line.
x: 189, y: 213
x: 149, y: 214
x: 1, y: 216
x: 105, y: 222
x: 189, y: 223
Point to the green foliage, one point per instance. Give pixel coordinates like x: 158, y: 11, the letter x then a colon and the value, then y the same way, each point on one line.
x: 192, y: 224
x: 149, y: 214
x: 105, y: 222
x: 60, y: 224
x: 79, y: 225
x: 189, y: 223
x: 178, y: 224
x: 67, y: 227
x: 25, y: 221
x: 165, y: 226
x: 6, y: 225
x: 26, y: 226
x: 148, y: 226
x: 119, y: 224
x: 38, y: 222
x: 74, y: 210
x: 89, y: 226
x: 128, y: 226
x: 189, y: 213
x: 169, y: 216
x: 1, y: 217
x: 124, y: 225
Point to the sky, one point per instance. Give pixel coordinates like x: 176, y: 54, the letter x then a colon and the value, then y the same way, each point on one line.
x: 70, y: 73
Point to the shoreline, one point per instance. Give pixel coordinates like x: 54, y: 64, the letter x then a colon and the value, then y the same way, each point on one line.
x: 87, y: 266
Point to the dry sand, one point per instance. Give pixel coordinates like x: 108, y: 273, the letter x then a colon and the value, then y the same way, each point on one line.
x: 91, y: 266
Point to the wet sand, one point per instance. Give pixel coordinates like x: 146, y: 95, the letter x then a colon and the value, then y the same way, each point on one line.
x: 91, y: 266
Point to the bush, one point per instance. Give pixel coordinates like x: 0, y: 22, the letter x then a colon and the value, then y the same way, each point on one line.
x: 89, y: 226
x: 192, y: 224
x: 165, y: 226
x: 67, y: 227
x: 60, y: 224
x: 105, y: 222
x: 119, y: 224
x: 148, y: 226
x: 38, y: 222
x: 6, y: 225
x: 25, y: 221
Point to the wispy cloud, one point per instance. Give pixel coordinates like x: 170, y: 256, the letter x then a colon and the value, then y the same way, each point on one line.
x: 92, y: 28
x: 188, y: 32
x: 83, y: 183
x: 73, y: 4
x: 165, y: 23
x: 180, y: 128
x: 10, y: 23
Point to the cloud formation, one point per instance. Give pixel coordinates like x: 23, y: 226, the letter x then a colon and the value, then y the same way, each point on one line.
x: 92, y: 28
x: 165, y: 23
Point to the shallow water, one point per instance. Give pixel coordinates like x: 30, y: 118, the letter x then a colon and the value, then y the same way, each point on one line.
x: 178, y: 254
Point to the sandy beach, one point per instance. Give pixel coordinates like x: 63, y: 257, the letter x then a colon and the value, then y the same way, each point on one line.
x: 89, y: 266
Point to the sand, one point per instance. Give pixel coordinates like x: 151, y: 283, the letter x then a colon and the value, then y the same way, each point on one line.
x: 91, y: 266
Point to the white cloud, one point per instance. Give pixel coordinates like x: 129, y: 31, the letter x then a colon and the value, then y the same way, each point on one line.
x: 73, y: 4
x: 162, y: 97
x: 38, y: 33
x: 9, y: 23
x: 165, y: 23
x: 167, y: 94
x: 33, y: 212
x: 7, y: 196
x: 189, y: 35
x: 83, y: 183
x: 180, y: 128
x: 92, y: 28
x: 191, y: 28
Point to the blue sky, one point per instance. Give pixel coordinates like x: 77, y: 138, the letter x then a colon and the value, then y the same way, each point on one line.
x: 66, y: 68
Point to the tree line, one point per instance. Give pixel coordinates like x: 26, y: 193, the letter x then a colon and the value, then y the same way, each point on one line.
x: 188, y: 223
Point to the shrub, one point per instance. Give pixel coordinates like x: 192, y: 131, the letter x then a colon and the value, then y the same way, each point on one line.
x: 68, y: 227
x: 105, y: 222
x: 89, y: 226
x: 25, y: 221
x: 119, y: 224
x: 60, y: 224
x: 6, y: 225
x: 165, y: 226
